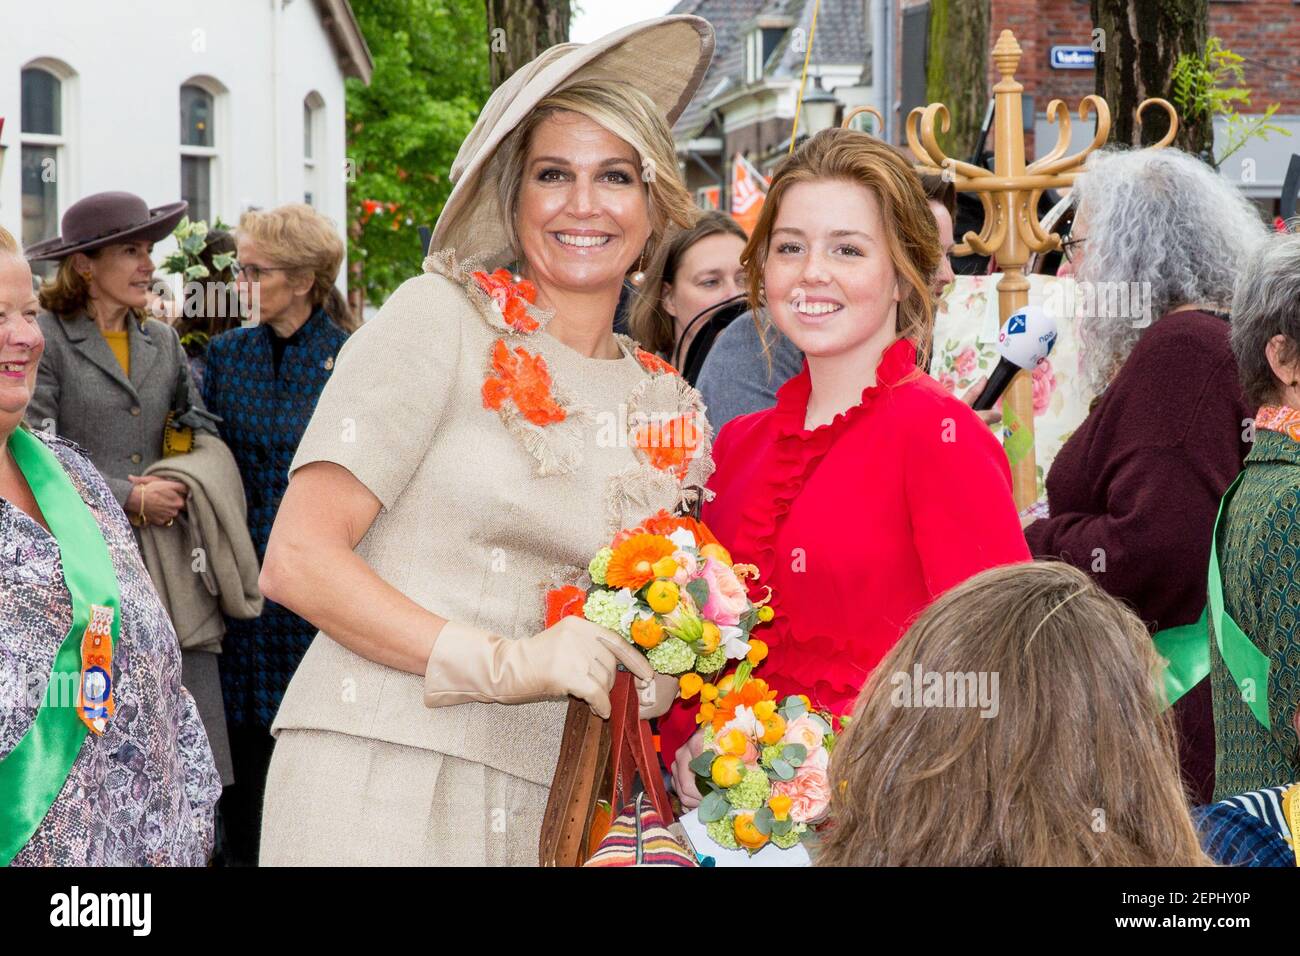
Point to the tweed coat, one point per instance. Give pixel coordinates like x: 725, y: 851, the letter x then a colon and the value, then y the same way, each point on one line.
x: 83, y: 394
x: 1259, y: 548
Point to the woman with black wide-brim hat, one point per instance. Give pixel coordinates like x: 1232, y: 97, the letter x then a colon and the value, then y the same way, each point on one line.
x: 111, y: 376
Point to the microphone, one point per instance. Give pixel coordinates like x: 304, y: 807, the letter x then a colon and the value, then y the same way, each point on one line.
x: 1024, y: 340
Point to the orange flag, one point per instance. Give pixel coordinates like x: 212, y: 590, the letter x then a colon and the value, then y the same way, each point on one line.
x: 748, y: 188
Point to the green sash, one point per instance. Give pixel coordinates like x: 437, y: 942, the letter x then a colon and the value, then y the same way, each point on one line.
x: 32, y: 775
x: 1187, y: 648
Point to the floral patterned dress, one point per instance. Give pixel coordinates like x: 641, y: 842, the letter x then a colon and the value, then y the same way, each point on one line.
x: 144, y: 793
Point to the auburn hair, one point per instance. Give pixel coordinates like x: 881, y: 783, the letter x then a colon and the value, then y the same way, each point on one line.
x: 910, y: 232
x: 1077, y: 765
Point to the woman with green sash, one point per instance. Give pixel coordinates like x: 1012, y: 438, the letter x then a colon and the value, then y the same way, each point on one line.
x: 103, y: 758
x: 1259, y: 536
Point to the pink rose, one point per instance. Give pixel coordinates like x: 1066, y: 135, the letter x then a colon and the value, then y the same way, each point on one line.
x: 809, y: 791
x: 727, y: 597
x: 966, y: 363
x: 687, y: 568
x: 1044, y: 384
x: 806, y: 731
x: 948, y: 382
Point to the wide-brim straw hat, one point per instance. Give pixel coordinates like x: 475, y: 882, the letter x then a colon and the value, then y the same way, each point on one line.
x: 664, y: 58
x: 102, y: 219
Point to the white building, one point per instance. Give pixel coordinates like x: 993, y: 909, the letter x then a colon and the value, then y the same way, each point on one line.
x: 228, y: 104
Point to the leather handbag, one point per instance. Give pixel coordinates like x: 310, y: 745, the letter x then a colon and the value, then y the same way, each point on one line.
x: 600, y: 758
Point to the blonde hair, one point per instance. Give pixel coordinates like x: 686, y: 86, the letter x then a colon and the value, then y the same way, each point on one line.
x: 300, y: 239
x: 1078, y: 766
x: 8, y: 244
x: 633, y: 117
x: 647, y: 321
x: 907, y: 222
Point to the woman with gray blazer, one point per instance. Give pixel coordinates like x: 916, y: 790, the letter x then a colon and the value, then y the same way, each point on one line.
x: 110, y: 376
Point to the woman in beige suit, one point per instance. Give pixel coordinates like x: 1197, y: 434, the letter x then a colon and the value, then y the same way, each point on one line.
x: 471, y: 450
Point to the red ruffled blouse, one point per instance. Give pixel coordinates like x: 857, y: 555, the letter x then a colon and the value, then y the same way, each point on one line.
x: 856, y: 525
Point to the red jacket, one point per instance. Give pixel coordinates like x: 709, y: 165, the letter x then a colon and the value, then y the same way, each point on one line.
x: 856, y: 525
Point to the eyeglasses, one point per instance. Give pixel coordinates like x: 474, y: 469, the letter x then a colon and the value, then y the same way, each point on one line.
x: 254, y: 273
x: 1070, y: 247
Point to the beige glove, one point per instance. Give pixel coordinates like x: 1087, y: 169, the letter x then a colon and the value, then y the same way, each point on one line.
x: 656, y: 696
x: 573, y: 656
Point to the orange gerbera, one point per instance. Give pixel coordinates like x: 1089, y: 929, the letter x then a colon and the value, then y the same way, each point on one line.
x: 512, y: 298
x: 661, y: 522
x: 669, y: 445
x: 754, y: 690
x: 632, y: 563
x: 567, y: 601
x: 653, y: 363
x: 524, y: 379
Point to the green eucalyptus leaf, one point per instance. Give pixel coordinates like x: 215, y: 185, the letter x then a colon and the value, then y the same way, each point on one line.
x: 794, y: 754
x: 763, y: 820
x: 783, y: 769
x: 703, y: 764
x: 714, y: 807
x: 781, y: 827
x: 699, y: 592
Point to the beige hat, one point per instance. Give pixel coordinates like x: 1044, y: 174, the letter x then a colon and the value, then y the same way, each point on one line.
x: 664, y: 58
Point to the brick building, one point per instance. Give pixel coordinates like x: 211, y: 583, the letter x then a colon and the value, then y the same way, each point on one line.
x: 748, y: 107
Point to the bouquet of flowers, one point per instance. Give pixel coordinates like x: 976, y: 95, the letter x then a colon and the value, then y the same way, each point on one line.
x: 763, y: 769
x: 671, y: 589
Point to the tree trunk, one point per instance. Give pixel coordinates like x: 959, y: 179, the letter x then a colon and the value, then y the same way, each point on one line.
x: 957, y: 69
x: 1141, y: 41
x: 518, y: 30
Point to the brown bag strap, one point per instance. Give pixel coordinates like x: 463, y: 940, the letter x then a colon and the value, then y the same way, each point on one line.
x: 633, y: 750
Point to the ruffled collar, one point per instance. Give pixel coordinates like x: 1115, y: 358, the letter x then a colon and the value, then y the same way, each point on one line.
x: 897, y: 364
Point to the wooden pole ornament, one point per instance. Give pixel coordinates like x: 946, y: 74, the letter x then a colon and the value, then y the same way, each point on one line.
x: 1011, y: 232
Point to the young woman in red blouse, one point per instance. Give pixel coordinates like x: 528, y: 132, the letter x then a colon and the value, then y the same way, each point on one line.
x: 868, y: 490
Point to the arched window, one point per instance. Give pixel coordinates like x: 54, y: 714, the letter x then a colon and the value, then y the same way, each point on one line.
x: 200, y: 152
x: 313, y: 148
x: 43, y: 135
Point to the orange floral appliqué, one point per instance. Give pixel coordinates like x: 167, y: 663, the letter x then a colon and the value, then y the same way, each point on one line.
x: 512, y: 298
x: 524, y: 379
x: 669, y: 445
x: 653, y: 363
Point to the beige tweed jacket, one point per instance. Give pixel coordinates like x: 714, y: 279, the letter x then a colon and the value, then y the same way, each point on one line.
x: 483, y: 510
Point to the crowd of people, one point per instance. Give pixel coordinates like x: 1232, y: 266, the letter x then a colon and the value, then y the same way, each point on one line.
x: 383, y: 503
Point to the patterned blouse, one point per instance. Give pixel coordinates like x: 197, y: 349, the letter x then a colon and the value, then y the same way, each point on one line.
x: 144, y: 793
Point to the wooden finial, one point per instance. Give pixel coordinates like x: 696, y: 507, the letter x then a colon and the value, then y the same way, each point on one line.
x: 1006, y: 54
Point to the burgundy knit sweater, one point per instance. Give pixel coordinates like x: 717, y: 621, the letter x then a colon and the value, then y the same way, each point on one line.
x: 1134, y: 493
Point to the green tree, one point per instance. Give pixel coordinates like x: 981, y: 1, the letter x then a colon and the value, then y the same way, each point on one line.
x: 404, y: 129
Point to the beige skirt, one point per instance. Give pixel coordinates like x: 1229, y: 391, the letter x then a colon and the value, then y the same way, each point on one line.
x: 338, y: 800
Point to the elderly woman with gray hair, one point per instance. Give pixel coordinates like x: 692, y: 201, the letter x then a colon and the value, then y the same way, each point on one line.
x: 1134, y: 493
x: 1259, y: 541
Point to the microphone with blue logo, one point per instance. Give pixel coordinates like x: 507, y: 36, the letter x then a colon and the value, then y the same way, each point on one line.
x: 1024, y: 340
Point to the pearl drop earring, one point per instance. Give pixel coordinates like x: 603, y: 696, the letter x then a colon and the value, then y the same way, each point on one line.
x: 638, y: 277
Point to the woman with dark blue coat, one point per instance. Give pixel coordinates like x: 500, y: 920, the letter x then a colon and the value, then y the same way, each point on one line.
x: 264, y: 380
